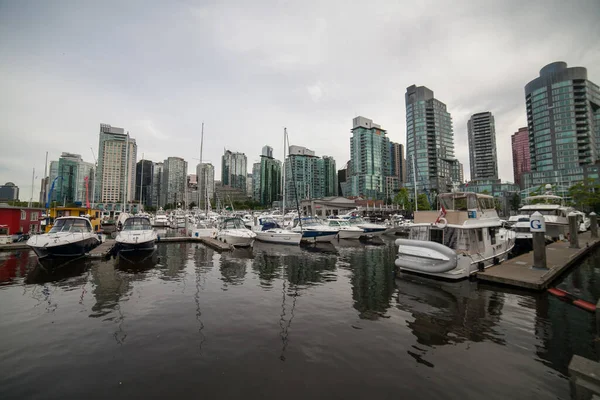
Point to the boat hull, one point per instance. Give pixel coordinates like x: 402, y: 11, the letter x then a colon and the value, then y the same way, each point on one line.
x: 73, y: 249
x: 318, y: 236
x: 204, y: 233
x: 350, y: 234
x: 135, y: 247
x: 279, y: 237
x: 236, y: 240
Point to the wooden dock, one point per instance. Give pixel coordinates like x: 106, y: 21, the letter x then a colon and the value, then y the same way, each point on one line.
x: 212, y: 243
x: 14, y: 246
x: 103, y: 250
x: 519, y: 272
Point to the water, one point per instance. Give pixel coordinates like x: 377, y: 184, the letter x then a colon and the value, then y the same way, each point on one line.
x: 279, y: 322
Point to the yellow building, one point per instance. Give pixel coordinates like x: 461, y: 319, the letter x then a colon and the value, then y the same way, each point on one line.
x: 58, y: 212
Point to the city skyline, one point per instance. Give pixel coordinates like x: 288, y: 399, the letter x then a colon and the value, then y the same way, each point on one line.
x: 55, y: 99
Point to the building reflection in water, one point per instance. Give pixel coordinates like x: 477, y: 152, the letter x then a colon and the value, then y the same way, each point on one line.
x: 172, y: 259
x: 14, y: 266
x: 233, y: 266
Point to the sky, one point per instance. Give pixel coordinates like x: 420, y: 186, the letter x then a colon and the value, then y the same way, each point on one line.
x: 159, y: 69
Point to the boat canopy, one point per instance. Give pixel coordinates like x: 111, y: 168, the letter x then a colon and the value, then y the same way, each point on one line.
x: 137, y: 224
x: 464, y: 201
x: 233, y: 223
x: 71, y: 224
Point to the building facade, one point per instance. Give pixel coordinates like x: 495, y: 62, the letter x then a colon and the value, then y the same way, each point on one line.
x: 21, y: 219
x: 234, y: 170
x: 563, y: 119
x: 9, y: 192
x: 397, y: 162
x: 117, y: 158
x: 256, y: 182
x: 205, y: 173
x: 429, y: 143
x: 75, y: 179
x: 304, y: 175
x: 369, y: 159
x: 157, y: 179
x: 331, y: 182
x: 269, y: 179
x: 483, y: 156
x: 144, y: 182
x: 174, y: 181
x: 521, y: 155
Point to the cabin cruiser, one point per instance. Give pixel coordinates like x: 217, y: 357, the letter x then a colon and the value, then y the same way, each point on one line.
x: 137, y: 235
x: 161, y: 220
x: 313, y: 230
x: 345, y: 229
x: 552, y: 208
x: 203, y: 228
x: 268, y: 230
x: 370, y: 230
x: 232, y: 231
x: 68, y: 237
x: 464, y: 237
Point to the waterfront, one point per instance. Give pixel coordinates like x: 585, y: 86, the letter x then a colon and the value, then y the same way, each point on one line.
x: 330, y: 321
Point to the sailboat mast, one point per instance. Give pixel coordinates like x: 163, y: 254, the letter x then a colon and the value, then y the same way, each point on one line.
x: 283, y: 177
x: 201, y: 169
x: 125, y: 174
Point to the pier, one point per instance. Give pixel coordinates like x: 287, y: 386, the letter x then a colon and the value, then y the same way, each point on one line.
x: 212, y: 243
x: 519, y: 271
x: 14, y: 246
x: 103, y: 250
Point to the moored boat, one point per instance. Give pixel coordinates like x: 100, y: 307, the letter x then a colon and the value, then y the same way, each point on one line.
x: 137, y: 235
x: 68, y: 237
x: 232, y: 231
x: 313, y: 230
x: 268, y: 230
x: 345, y: 229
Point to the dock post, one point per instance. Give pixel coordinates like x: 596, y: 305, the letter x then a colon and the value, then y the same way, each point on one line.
x: 594, y: 225
x: 573, y: 231
x: 537, y: 227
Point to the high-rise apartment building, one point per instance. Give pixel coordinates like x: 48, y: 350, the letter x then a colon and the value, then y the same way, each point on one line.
x: 331, y: 183
x: 397, y: 162
x: 144, y: 175
x: 269, y: 179
x: 267, y: 151
x: 563, y: 119
x: 256, y: 182
x: 429, y: 143
x: 157, y: 179
x: 205, y: 173
x: 482, y: 146
x: 369, y: 159
x: 520, y: 152
x: 304, y: 175
x: 234, y: 170
x: 117, y: 157
x: 75, y: 179
x: 174, y: 181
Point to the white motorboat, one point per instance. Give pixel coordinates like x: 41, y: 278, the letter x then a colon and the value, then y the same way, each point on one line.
x: 345, y: 229
x: 466, y: 236
x: 232, y: 231
x: 137, y: 235
x: 161, y: 219
x: 313, y: 230
x: 204, y: 229
x: 68, y: 237
x: 370, y: 230
x: 552, y: 208
x: 268, y: 230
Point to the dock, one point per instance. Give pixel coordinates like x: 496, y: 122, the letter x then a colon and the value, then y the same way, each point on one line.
x: 14, y: 246
x: 212, y: 243
x: 518, y: 271
x: 103, y: 250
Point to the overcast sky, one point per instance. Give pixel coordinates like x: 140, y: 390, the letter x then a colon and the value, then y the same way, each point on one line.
x: 249, y: 68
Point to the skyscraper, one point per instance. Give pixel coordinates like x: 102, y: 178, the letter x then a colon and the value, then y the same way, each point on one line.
x: 205, y: 173
x: 174, y: 181
x: 144, y: 176
x: 563, y: 118
x: 270, y: 178
x: 520, y: 152
x: 482, y: 146
x: 397, y: 162
x: 72, y: 185
x: 304, y: 175
x: 117, y: 155
x: 331, y: 184
x: 157, y: 195
x: 267, y: 151
x: 234, y: 170
x: 256, y: 182
x: 369, y: 159
x: 429, y: 142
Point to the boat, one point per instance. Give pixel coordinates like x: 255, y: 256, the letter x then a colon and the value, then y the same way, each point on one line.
x: 465, y: 236
x: 232, y: 231
x: 345, y: 229
x: 203, y: 228
x: 161, y: 220
x: 137, y: 235
x: 370, y: 230
x: 68, y: 237
x: 313, y: 230
x: 554, y: 211
x: 268, y: 230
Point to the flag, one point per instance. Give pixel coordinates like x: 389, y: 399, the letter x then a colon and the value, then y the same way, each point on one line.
x: 441, y: 215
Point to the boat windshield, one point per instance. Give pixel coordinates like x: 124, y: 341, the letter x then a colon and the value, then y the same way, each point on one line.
x: 70, y: 225
x: 137, y: 224
x: 468, y: 241
x: 459, y: 201
x: 233, y: 223
x: 355, y: 220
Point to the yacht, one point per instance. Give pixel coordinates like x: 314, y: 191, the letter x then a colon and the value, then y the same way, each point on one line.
x: 555, y: 213
x: 268, y: 230
x: 203, y: 229
x: 313, y: 230
x: 68, y: 237
x: 345, y: 229
x: 137, y: 235
x: 161, y: 220
x: 465, y: 236
x: 370, y: 230
x: 233, y: 232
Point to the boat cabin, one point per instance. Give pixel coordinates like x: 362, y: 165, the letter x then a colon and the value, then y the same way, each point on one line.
x: 462, y: 208
x: 232, y: 223
x: 71, y: 225
x: 58, y: 212
x: 465, y: 241
x: 137, y: 224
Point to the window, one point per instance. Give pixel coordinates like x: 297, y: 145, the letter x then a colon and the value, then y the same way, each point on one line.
x: 34, y: 216
x: 32, y: 228
x: 23, y: 217
x: 479, y: 235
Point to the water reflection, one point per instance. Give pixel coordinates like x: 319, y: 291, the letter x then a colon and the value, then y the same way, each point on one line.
x: 172, y: 258
x: 137, y: 263
x: 233, y: 266
x: 14, y: 266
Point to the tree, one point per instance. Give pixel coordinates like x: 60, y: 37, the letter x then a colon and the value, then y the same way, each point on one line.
x: 515, y: 202
x: 150, y: 209
x: 586, y: 195
x: 403, y: 200
x: 423, y: 202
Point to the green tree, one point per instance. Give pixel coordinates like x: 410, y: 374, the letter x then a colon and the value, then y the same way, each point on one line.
x: 423, y: 202
x: 586, y: 195
x: 515, y: 202
x: 403, y: 200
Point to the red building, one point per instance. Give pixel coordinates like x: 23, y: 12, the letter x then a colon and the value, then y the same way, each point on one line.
x: 21, y: 219
x: 521, y: 154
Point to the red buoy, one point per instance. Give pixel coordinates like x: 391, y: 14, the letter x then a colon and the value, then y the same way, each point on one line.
x: 558, y: 292
x: 586, y: 305
x: 569, y: 298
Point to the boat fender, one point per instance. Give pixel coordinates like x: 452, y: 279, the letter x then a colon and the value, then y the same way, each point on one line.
x: 496, y: 261
x: 441, y: 223
x: 480, y: 266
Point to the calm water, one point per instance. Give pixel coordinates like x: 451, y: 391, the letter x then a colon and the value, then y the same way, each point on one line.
x: 279, y: 322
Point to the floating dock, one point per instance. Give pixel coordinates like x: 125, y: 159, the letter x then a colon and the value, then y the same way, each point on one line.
x: 212, y: 243
x: 103, y: 250
x: 518, y: 271
x: 14, y: 246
